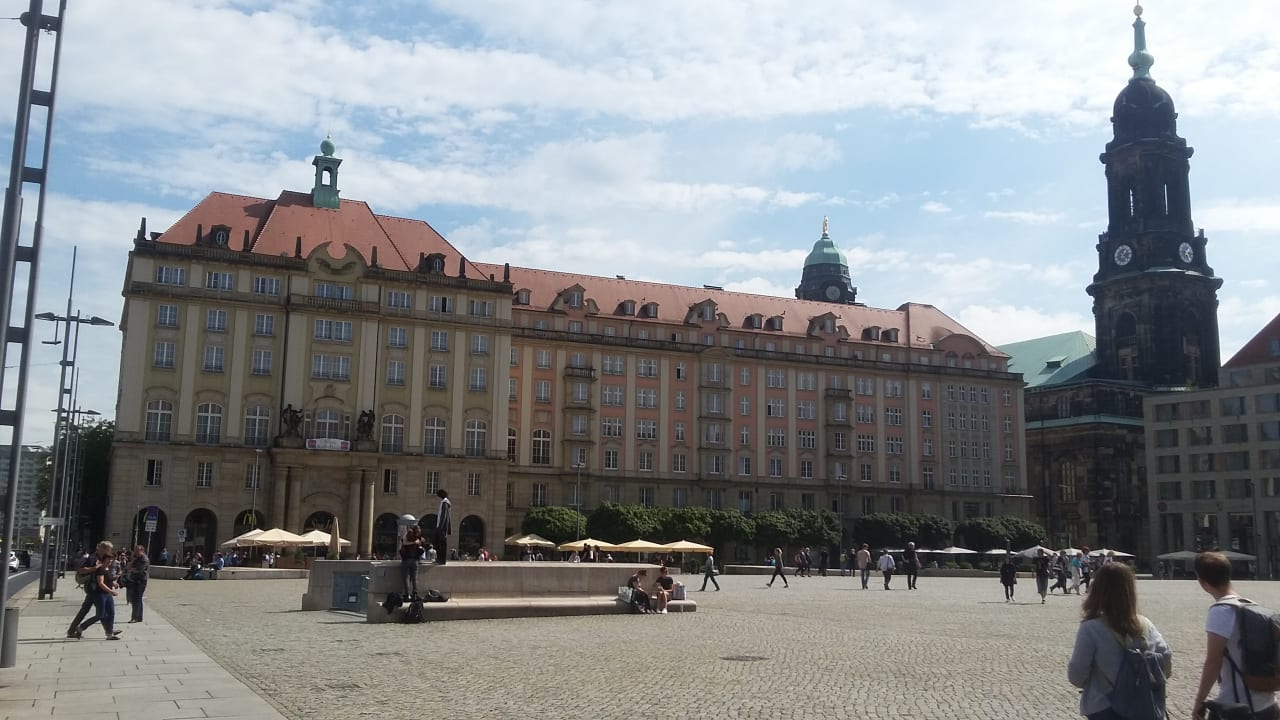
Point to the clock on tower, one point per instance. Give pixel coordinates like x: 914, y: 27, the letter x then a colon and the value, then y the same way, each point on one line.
x: 826, y: 273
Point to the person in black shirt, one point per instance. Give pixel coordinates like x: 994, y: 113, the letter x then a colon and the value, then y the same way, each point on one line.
x: 910, y: 565
x: 664, y: 586
x: 138, y: 573
x: 104, y: 597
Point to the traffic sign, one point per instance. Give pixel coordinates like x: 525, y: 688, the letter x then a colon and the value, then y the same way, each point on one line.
x: 182, y: 534
x: 153, y: 516
x: 56, y: 522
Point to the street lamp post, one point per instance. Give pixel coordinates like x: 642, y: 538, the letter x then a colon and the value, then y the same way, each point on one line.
x: 53, y: 539
x: 579, y: 466
x: 844, y: 506
x: 257, y: 480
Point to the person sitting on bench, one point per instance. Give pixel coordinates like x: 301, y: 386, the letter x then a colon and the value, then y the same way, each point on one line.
x: 663, y: 587
x: 639, y: 598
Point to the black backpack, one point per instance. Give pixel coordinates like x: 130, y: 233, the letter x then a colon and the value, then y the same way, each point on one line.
x: 1259, y: 645
x: 414, y: 613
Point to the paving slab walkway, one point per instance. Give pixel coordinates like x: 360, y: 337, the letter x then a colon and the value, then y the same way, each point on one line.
x: 152, y: 673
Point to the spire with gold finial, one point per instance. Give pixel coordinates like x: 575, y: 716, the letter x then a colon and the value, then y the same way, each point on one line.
x: 1141, y: 60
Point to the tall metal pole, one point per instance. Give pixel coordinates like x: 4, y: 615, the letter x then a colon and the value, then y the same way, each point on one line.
x: 71, y: 479
x: 12, y: 253
x: 578, y: 466
x: 257, y: 480
x: 48, y: 573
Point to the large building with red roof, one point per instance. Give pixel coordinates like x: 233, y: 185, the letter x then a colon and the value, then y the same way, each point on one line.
x: 287, y: 361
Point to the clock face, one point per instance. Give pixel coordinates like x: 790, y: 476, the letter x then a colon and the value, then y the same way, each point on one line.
x: 833, y: 292
x: 1123, y: 255
x: 1186, y: 252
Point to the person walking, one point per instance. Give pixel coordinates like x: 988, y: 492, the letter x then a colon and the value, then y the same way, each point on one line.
x: 84, y: 575
x: 863, y: 563
x: 1110, y: 628
x: 709, y: 572
x: 824, y: 559
x: 887, y: 566
x: 1086, y: 567
x: 1060, y: 572
x: 139, y: 572
x: 104, y: 595
x: 1008, y: 577
x: 1223, y: 659
x: 1076, y: 573
x: 444, y: 526
x: 910, y: 565
x: 1042, y: 564
x: 778, y: 562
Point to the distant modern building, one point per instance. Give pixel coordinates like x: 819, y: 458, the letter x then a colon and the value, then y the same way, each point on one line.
x: 1155, y: 313
x: 29, y: 509
x: 1214, y: 456
x: 293, y: 360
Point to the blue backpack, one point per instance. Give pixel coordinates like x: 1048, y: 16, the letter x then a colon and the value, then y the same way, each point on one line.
x: 1138, y: 692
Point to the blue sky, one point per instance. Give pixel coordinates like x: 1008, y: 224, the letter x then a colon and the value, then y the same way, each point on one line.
x: 955, y: 150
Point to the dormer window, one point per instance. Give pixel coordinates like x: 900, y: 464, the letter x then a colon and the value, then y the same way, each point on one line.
x: 220, y: 235
x: 889, y: 336
x: 754, y: 321
x: 708, y: 312
x: 649, y: 310
x: 828, y: 325
x: 872, y: 333
x: 523, y: 297
x: 775, y: 323
x: 627, y: 307
x: 574, y: 298
x: 433, y: 263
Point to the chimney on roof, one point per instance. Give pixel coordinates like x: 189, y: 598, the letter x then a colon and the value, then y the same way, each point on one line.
x: 199, y: 232
x: 462, y: 267
x: 506, y: 272
x: 142, y: 231
x: 246, y: 241
x: 297, y: 247
x: 490, y: 277
x: 374, y: 261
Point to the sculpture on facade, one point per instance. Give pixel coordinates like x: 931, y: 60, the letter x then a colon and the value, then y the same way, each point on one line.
x: 364, y: 425
x: 292, y: 420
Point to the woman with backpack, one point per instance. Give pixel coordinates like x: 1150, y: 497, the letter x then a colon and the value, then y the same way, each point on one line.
x: 1103, y: 664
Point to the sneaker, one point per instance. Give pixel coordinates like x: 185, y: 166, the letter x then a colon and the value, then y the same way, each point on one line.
x: 115, y: 636
x: 116, y: 633
x: 74, y: 634
x: 663, y: 611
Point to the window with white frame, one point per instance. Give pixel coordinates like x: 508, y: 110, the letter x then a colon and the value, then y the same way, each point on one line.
x: 893, y: 445
x: 926, y: 447
x: 216, y: 280
x: 646, y: 430
x: 204, y: 474
x: 543, y: 359
x: 776, y: 378
x: 437, y: 376
x: 611, y: 395
x: 538, y: 497
x: 866, y: 414
x: 395, y: 372
x: 647, y: 367
x: 926, y: 477
x: 167, y: 315
x: 646, y: 398
x: 261, y: 362
x: 266, y: 285
x: 645, y: 459
x: 479, y: 379
x: 611, y: 427
x: 893, y: 416
x: 578, y: 425
x: 155, y: 473
x: 334, y: 330
x: 390, y: 481
x: 581, y: 392
x: 806, y: 381
x: 331, y: 367
x: 775, y: 467
x: 744, y: 465
x: 399, y: 299
x: 865, y: 386
x: 257, y: 425
x: 473, y: 484
x: 777, y: 408
x: 678, y: 432
x: 866, y: 472
x: 164, y: 354
x: 213, y: 358
x: 398, y: 337
x: 480, y: 308
x: 744, y: 435
x: 479, y: 344
x: 476, y: 438
x: 744, y: 376
x: 808, y: 439
x: 328, y: 424
x: 610, y: 459
x: 806, y: 469
x: 926, y: 418
x: 776, y: 437
x: 392, y: 433
x: 840, y: 440
x: 541, y: 447
x: 926, y: 391
x: 679, y: 462
x: 680, y: 371
x: 680, y: 401
x: 166, y: 275
x: 264, y: 324
x: 433, y: 436
x: 612, y: 365
x: 893, y: 388
x: 806, y: 410
x: 334, y: 291
x: 866, y: 443
x: 441, y: 304
x: 209, y: 424
x: 440, y: 340
x: 159, y: 420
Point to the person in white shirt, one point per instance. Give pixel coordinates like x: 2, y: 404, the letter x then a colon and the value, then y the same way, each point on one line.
x: 1213, y: 571
x: 887, y: 566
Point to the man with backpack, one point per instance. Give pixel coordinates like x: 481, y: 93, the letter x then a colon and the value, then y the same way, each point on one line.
x: 1242, y: 646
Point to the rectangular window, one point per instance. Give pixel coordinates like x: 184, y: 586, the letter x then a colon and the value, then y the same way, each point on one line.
x: 264, y: 324
x: 926, y: 419
x: 214, y: 280
x: 266, y: 285
x: 678, y: 432
x: 926, y: 390
x: 433, y: 482
x: 204, y: 475
x: 646, y: 430
x: 480, y: 308
x: 437, y: 376
x: 776, y: 437
x: 261, y: 362
x: 440, y: 340
x: 544, y: 359
x: 865, y: 386
x: 866, y: 414
x: 538, y: 498
x: 893, y: 416
x: 866, y: 443
x: 893, y: 445
x: 390, y: 479
x: 479, y: 344
x: 479, y: 379
x: 334, y: 291
x: 611, y: 365
x: 171, y: 275
x: 776, y: 378
x: 167, y: 315
x: 610, y: 459
x: 253, y: 477
x: 395, y: 372
x: 581, y: 392
x: 331, y: 367
x: 164, y: 355
x: 1203, y: 490
x: 679, y: 462
x: 808, y: 439
x: 647, y: 368
x: 440, y: 304
x: 399, y: 299
x: 806, y: 469
x: 840, y: 440
x: 679, y: 497
x: 542, y: 391
x: 866, y: 472
x: 744, y: 465
x: 397, y: 337
x: 611, y: 427
x: 335, y: 330
x: 473, y: 484
x: 646, y: 398
x: 775, y: 467
x: 213, y: 358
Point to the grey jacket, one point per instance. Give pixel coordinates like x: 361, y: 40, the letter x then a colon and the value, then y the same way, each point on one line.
x: 1095, y: 661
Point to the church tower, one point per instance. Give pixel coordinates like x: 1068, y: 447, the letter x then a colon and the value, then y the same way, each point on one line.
x: 1155, y: 301
x: 826, y: 273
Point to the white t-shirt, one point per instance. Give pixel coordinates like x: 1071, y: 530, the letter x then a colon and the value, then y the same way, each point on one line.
x: 1222, y: 622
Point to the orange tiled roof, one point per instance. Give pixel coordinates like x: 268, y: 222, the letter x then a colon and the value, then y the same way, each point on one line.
x: 275, y: 225
x: 920, y: 326
x: 1258, y: 350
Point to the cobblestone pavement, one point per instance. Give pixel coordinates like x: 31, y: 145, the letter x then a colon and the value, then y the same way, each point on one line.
x: 822, y: 648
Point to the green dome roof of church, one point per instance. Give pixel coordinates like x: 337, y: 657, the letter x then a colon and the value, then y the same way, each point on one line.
x: 824, y: 251
x: 326, y: 147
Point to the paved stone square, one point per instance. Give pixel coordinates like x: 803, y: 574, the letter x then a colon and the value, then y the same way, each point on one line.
x: 822, y: 648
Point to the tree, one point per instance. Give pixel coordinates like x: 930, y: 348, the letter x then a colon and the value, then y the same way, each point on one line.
x: 557, y: 524
x: 622, y: 523
x: 932, y: 531
x: 982, y: 534
x: 730, y: 526
x: 775, y: 528
x: 818, y: 528
x: 686, y: 523
x: 882, y: 530
x: 1021, y: 533
x: 95, y: 462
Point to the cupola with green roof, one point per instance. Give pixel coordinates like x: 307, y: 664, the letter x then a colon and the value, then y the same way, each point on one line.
x: 324, y: 194
x: 825, y: 277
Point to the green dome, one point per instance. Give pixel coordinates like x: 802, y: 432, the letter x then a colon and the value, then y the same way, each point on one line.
x: 326, y: 147
x: 825, y: 252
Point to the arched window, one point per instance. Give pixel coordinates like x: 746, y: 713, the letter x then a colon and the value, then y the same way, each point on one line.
x: 392, y: 433
x: 209, y: 423
x: 433, y: 435
x: 328, y: 424
x: 513, y: 445
x: 257, y: 425
x: 159, y: 420
x: 477, y: 433
x: 541, y: 447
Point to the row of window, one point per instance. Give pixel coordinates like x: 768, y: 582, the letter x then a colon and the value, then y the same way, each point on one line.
x: 1232, y: 434
x: 1216, y: 462
x: 207, y: 472
x: 1227, y: 407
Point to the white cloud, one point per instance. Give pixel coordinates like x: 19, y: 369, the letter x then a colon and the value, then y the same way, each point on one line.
x: 935, y: 207
x: 761, y: 286
x: 1026, y: 217
x: 1000, y: 194
x: 1241, y: 215
x: 1000, y: 324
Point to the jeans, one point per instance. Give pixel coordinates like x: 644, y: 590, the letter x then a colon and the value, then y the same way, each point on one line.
x: 777, y: 573
x: 888, y: 575
x: 866, y: 576
x: 133, y: 593
x: 84, y: 610
x: 409, y: 577
x: 106, y: 613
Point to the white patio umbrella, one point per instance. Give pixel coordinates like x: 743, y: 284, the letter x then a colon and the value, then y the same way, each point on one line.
x: 953, y: 550
x: 998, y: 551
x: 1107, y: 551
x: 320, y: 538
x: 1035, y: 551
x: 243, y: 540
x: 1178, y: 555
x: 1234, y: 556
x: 276, y: 537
